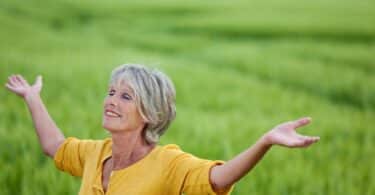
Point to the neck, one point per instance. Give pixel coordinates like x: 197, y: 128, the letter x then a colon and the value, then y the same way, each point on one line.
x: 128, y: 148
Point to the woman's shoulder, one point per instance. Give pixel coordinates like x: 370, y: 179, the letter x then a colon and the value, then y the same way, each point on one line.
x: 172, y: 158
x: 171, y: 152
x: 170, y: 149
x: 88, y: 144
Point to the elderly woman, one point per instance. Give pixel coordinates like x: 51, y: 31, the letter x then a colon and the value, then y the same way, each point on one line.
x: 139, y: 107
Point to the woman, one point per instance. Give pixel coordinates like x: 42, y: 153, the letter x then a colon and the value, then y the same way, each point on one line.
x: 138, y: 109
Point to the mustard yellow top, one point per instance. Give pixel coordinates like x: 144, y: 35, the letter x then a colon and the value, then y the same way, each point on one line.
x: 166, y: 170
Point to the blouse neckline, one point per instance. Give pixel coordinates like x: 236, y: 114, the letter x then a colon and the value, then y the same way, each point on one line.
x: 108, y: 153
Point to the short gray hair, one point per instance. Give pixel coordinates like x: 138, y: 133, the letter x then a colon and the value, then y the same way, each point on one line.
x: 155, y: 97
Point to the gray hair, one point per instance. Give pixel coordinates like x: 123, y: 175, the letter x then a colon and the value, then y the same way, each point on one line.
x: 155, y: 97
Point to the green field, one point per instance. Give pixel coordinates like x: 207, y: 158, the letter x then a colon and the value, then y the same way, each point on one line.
x: 239, y: 67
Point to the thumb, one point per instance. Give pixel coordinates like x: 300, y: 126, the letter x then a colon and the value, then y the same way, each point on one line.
x: 38, y: 80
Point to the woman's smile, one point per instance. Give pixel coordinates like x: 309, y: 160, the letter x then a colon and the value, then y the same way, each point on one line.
x: 110, y: 113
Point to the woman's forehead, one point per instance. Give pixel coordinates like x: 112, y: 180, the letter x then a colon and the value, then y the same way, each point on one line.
x: 121, y: 85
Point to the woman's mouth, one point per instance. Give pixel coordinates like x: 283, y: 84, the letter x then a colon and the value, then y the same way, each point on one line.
x: 111, y: 113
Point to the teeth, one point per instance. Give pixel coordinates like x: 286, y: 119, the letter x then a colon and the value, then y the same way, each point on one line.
x: 111, y: 114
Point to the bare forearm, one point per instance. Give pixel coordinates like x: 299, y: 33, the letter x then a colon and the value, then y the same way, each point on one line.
x: 283, y: 134
x: 227, y: 174
x: 50, y: 137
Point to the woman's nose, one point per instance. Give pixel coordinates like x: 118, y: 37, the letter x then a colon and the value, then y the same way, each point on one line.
x: 111, y: 100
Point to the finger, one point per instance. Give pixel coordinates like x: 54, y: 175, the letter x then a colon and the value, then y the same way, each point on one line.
x: 315, y: 138
x: 16, y: 80
x: 38, y: 80
x: 308, y: 140
x: 8, y: 86
x: 301, y: 122
x: 299, y: 143
x: 312, y: 138
x: 11, y: 88
x: 10, y: 82
x: 21, y: 79
x: 13, y: 81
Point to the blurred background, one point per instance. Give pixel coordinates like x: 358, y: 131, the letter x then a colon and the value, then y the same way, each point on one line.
x: 239, y: 67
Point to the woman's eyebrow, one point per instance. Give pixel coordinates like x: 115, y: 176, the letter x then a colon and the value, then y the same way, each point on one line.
x: 128, y: 91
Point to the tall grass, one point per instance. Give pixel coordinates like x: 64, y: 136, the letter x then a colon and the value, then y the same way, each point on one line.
x: 239, y: 68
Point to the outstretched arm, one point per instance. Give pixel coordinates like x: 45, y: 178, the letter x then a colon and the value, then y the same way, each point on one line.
x: 50, y: 137
x: 284, y: 134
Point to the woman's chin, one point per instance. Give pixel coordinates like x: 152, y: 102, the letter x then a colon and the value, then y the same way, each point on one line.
x: 109, y: 128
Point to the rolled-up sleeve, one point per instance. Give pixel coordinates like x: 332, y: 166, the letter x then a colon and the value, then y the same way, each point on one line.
x: 192, y: 174
x: 71, y: 155
x: 198, y: 180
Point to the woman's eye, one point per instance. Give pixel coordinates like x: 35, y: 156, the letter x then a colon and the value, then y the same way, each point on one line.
x: 111, y: 93
x: 126, y: 96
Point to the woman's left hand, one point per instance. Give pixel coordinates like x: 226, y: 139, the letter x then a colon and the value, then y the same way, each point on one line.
x: 285, y: 134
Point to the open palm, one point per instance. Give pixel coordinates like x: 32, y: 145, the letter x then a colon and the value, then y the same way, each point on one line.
x: 285, y: 134
x: 18, y: 85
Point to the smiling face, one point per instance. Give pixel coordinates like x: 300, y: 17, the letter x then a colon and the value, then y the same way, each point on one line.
x: 120, y: 109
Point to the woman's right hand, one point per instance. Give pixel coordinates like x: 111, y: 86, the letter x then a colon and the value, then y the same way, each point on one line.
x: 18, y: 85
x: 50, y: 136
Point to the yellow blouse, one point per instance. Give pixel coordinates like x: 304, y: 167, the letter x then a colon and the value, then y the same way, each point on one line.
x: 166, y: 170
